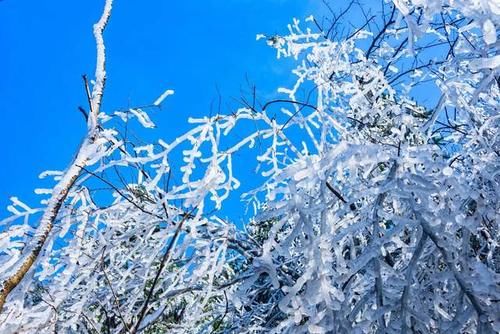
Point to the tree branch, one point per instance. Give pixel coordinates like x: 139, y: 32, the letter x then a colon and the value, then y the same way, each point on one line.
x: 18, y: 271
x: 163, y: 261
x: 100, y: 69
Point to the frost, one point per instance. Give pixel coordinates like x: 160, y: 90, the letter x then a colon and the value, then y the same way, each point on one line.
x: 447, y: 171
x: 143, y: 118
x: 50, y: 173
x: 43, y: 191
x: 482, y: 63
x: 163, y: 96
x: 489, y: 31
x: 376, y: 207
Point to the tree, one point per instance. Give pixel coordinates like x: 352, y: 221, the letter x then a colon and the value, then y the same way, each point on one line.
x: 378, y: 214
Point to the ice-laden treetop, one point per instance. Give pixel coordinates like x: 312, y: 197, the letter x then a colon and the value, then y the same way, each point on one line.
x: 379, y: 213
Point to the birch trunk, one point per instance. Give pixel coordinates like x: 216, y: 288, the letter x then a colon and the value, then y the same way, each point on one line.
x: 30, y: 254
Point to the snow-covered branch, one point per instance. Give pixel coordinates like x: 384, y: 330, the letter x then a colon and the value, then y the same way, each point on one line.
x: 13, y: 276
x: 378, y: 210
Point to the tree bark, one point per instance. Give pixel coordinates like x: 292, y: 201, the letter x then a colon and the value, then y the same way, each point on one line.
x: 30, y: 254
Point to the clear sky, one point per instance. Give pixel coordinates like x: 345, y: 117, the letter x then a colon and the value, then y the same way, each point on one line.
x: 194, y: 47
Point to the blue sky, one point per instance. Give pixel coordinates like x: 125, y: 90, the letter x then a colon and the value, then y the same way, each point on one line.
x: 194, y: 47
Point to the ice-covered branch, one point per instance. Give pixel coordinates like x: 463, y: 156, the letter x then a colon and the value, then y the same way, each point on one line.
x: 12, y: 276
x: 375, y: 213
x: 100, y: 68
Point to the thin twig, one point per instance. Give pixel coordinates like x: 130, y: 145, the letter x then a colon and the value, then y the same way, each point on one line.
x: 113, y: 293
x: 335, y: 192
x: 87, y: 91
x: 122, y: 194
x: 163, y: 261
